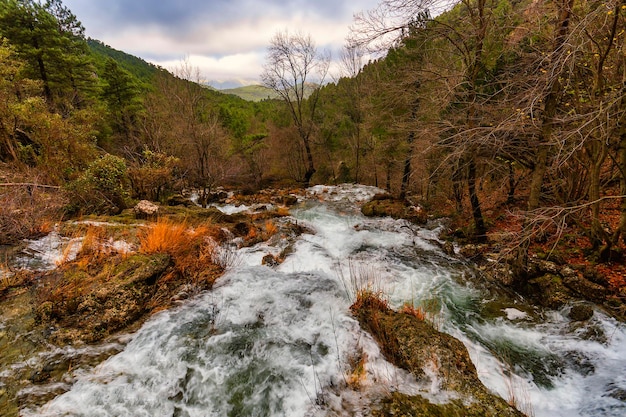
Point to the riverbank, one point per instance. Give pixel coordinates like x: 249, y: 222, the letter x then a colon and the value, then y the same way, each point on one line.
x: 106, y: 276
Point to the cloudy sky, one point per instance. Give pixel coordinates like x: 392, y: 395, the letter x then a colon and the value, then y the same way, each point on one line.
x: 225, y: 39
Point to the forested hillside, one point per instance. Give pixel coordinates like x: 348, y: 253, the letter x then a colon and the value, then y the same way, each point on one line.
x: 508, y: 115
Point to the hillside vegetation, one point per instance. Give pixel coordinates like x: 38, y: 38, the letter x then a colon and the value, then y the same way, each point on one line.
x: 251, y: 92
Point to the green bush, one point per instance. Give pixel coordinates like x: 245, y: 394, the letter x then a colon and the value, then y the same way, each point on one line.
x: 102, y: 189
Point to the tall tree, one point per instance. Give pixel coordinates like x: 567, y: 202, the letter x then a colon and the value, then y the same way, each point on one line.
x: 121, y: 93
x: 293, y: 68
x: 50, y: 39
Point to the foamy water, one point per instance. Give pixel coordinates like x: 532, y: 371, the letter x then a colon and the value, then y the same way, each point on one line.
x: 277, y: 342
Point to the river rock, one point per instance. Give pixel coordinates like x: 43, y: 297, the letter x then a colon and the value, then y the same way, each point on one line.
x: 434, y: 358
x: 145, y: 209
x: 548, y: 290
x: 587, y: 289
x: 581, y: 312
x: 179, y: 200
x: 270, y: 260
x: 383, y: 205
x: 473, y: 251
x: 287, y: 200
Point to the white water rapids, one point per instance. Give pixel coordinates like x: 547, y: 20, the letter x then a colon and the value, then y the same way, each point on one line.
x: 277, y: 341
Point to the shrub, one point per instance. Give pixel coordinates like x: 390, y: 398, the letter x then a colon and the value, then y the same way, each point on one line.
x: 103, y: 187
x: 27, y: 210
x: 152, y: 178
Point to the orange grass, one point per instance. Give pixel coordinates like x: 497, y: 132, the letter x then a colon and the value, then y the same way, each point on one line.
x: 411, y: 310
x: 191, y: 249
x: 270, y: 228
x: 358, y: 372
x: 368, y: 299
x: 164, y: 236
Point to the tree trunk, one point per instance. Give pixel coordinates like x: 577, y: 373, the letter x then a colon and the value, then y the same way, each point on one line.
x: 480, y: 233
x: 551, y: 102
x: 597, y: 154
x: 512, y: 183
x: 310, y: 166
x: 407, y: 166
x: 621, y: 229
x: 536, y: 182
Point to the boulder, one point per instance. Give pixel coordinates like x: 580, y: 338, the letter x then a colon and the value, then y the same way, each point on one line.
x: 384, y: 205
x: 146, y: 210
x: 436, y: 359
x: 581, y: 312
x: 585, y: 288
x: 270, y: 260
x: 179, y: 200
x: 548, y: 290
x: 288, y: 200
x: 217, y: 197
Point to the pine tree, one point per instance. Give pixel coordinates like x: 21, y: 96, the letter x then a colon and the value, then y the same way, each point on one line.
x: 50, y: 39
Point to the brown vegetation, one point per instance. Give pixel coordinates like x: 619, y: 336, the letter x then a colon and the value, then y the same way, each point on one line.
x: 26, y: 208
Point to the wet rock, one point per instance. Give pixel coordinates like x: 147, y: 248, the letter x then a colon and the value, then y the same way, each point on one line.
x: 146, y: 210
x: 385, y: 205
x: 547, y: 267
x: 217, y: 197
x: 614, y: 391
x: 448, y: 248
x: 270, y: 260
x: 241, y: 229
x: 287, y: 200
x: 91, y: 316
x: 179, y: 200
x: 473, y: 251
x: 567, y: 271
x: 434, y: 358
x: 580, y: 312
x: 39, y: 376
x: 548, y: 290
x: 587, y: 289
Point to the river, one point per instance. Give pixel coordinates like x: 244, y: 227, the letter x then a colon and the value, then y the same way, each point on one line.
x: 277, y: 341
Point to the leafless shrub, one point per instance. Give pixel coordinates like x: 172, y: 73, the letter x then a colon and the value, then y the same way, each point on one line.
x: 224, y: 256
x: 28, y: 210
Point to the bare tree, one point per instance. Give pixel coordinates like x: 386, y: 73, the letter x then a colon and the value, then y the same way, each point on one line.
x: 293, y: 68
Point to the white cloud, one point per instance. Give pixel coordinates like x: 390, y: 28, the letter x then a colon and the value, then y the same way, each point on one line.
x: 226, y: 40
x: 237, y: 68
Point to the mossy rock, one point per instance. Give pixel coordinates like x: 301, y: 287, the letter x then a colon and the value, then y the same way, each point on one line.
x: 585, y: 288
x: 402, y: 405
x: 548, y: 290
x: 114, y: 296
x: 139, y: 268
x: 414, y: 345
x: 397, y: 209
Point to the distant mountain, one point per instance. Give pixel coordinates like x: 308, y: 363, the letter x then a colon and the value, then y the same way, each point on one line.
x: 251, y: 92
x: 259, y: 92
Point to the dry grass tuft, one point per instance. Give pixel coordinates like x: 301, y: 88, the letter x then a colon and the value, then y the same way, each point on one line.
x: 370, y: 300
x: 164, y: 236
x: 357, y: 373
x: 411, y: 310
x: 270, y: 229
x: 191, y: 249
x: 282, y: 211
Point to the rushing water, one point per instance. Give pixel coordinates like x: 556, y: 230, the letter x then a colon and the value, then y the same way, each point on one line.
x: 278, y: 341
